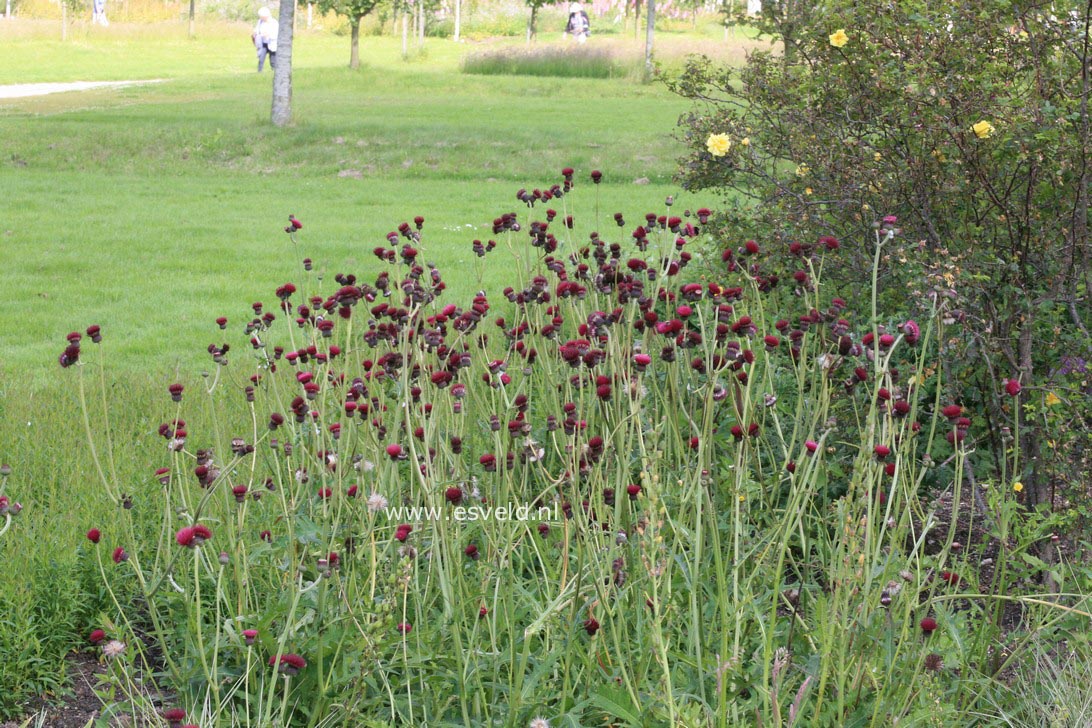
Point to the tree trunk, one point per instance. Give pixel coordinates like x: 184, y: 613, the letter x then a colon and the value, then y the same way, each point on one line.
x: 282, y: 72
x: 354, y: 44
x: 636, y: 18
x: 650, y: 30
x: 405, y: 33
x: 310, y: 11
x: 64, y: 21
x: 531, y: 24
x: 192, y: 13
x: 458, y: 18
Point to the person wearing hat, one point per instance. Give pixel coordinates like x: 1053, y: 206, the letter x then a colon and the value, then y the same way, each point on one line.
x: 579, y: 26
x: 265, y: 38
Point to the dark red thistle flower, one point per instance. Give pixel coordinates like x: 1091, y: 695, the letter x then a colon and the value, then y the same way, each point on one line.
x: 881, y: 452
x: 471, y: 551
x: 70, y: 355
x: 395, y: 452
x: 250, y: 636
x: 453, y: 495
x: 296, y: 224
x: 289, y: 664
x: 96, y: 636
x: 404, y: 627
x: 596, y: 176
x: 194, y: 535
x: 403, y: 532
x: 751, y: 247
x: 266, y: 536
x: 952, y: 411
x: 811, y: 446
x: 591, y: 626
x: 1012, y: 387
x: 886, y: 341
x: 419, y: 222
x: 222, y: 322
x: 934, y: 662
x: 928, y: 626
x: 94, y: 535
x: 633, y: 490
x: 889, y: 469
x: 119, y: 555
x: 790, y: 466
x: 174, y: 717
x: 175, y: 391
x: 94, y: 332
x: 951, y: 577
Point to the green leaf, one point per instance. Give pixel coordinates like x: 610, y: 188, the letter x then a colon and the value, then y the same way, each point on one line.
x: 616, y: 702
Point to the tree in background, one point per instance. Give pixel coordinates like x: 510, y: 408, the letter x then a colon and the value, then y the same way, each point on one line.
x: 355, y: 11
x: 535, y: 6
x: 281, y: 113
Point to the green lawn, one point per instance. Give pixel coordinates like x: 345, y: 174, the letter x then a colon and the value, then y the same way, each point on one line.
x: 151, y: 210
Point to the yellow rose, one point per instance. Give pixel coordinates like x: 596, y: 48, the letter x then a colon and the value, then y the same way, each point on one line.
x: 983, y: 129
x: 839, y: 38
x: 1017, y: 486
x: 718, y: 144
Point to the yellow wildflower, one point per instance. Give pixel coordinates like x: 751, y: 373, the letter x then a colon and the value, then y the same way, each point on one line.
x: 745, y: 142
x: 839, y: 38
x: 983, y: 129
x: 1052, y: 399
x: 802, y: 170
x: 1017, y: 486
x: 718, y: 144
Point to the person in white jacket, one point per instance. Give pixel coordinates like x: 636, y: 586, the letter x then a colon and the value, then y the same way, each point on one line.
x: 265, y: 38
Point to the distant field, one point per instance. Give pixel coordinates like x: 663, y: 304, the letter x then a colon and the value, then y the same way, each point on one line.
x: 153, y: 209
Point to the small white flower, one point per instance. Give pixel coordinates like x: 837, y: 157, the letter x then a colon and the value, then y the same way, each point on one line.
x: 113, y: 648
x: 376, y: 503
x: 538, y: 722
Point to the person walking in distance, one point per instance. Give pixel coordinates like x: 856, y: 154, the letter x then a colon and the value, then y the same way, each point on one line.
x: 98, y: 13
x: 265, y: 38
x: 579, y: 26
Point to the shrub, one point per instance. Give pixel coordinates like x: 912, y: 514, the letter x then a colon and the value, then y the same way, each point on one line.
x: 969, y: 122
x: 563, y: 61
x: 733, y: 494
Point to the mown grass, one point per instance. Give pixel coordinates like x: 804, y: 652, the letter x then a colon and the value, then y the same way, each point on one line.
x: 141, y: 207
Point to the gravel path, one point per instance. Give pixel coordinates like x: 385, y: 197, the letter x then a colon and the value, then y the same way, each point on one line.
x: 20, y: 90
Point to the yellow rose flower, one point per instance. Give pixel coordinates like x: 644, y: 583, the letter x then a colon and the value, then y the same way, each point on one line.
x: 839, y: 38
x: 718, y: 144
x: 983, y: 129
x: 1017, y: 486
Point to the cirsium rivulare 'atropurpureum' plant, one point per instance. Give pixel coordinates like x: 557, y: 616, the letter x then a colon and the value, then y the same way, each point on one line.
x: 613, y: 489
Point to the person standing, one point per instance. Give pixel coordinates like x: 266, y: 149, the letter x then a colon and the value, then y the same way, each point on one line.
x: 579, y: 26
x: 98, y: 13
x: 265, y: 38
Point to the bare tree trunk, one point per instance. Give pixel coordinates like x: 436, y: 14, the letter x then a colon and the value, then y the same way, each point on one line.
x: 354, y: 44
x: 64, y: 21
x: 405, y: 33
x: 636, y: 18
x: 192, y: 13
x: 458, y: 18
x: 650, y: 30
x: 282, y: 72
x: 310, y: 10
x: 531, y: 24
